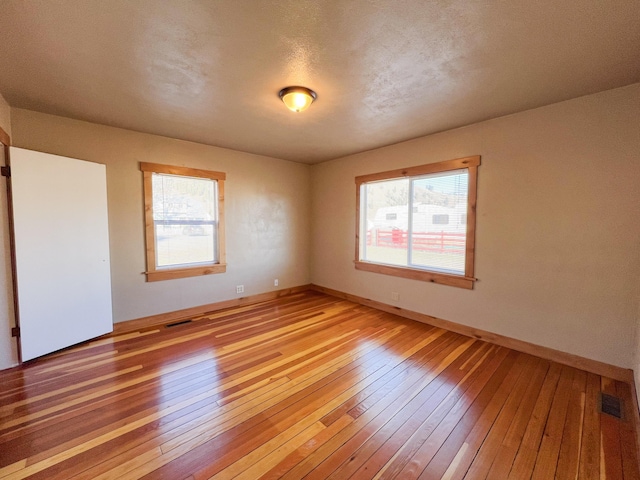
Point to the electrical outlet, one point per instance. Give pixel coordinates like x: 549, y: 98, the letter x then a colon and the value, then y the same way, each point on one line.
x: 240, y: 289
x: 395, y: 296
x: 275, y: 282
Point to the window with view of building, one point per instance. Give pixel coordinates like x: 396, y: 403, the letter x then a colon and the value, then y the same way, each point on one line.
x: 184, y: 218
x: 419, y: 222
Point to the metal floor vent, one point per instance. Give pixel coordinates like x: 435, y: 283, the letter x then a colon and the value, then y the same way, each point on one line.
x: 175, y: 324
x: 611, y: 405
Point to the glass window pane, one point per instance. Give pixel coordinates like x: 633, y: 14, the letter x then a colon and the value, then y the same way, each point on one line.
x: 439, y: 221
x: 386, y: 217
x: 185, y: 219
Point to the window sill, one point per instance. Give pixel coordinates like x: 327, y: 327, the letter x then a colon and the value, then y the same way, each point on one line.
x: 414, y: 274
x: 170, y: 274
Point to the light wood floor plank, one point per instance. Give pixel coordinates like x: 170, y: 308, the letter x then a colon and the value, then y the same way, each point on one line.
x: 307, y: 386
x: 627, y: 433
x: 372, y: 458
x: 525, y: 460
x: 547, y: 459
x: 591, y: 432
x: 483, y: 421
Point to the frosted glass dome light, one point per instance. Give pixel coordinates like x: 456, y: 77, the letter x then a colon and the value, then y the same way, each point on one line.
x: 297, y: 99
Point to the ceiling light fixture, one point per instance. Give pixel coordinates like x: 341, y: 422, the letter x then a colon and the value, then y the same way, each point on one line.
x: 297, y: 99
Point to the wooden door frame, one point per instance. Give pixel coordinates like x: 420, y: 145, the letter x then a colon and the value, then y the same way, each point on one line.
x: 5, y: 140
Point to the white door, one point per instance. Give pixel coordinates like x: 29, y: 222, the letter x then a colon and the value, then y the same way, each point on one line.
x: 62, y: 251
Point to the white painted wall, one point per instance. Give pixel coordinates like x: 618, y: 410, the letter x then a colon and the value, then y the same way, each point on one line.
x: 558, y: 225
x: 8, y: 349
x: 267, y: 203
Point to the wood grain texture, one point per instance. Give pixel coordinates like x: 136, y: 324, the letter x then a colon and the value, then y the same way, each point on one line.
x: 458, y: 163
x: 416, y: 274
x: 149, y: 229
x: 185, y: 171
x: 307, y: 385
x: 470, y: 246
x: 161, y: 275
x: 576, y: 361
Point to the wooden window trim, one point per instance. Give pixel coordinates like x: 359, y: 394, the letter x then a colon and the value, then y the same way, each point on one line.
x: 154, y: 273
x: 182, y: 171
x: 462, y: 281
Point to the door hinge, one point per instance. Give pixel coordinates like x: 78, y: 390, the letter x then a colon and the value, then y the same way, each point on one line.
x: 5, y: 171
x: 15, y: 332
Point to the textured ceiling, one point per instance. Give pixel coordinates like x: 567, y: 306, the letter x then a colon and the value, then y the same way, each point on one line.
x: 385, y: 71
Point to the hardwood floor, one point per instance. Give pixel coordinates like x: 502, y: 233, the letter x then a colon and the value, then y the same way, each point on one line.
x: 308, y: 386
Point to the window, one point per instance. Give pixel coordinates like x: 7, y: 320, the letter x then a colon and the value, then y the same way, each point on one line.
x: 184, y: 221
x: 431, y: 236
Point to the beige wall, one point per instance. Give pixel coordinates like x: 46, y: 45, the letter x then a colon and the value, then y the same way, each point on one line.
x: 266, y: 207
x: 8, y: 350
x: 557, y: 253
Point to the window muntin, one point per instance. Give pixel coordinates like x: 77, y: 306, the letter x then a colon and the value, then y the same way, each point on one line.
x: 184, y: 221
x: 419, y: 222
